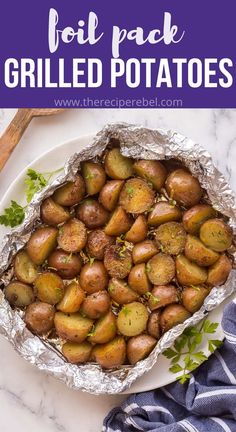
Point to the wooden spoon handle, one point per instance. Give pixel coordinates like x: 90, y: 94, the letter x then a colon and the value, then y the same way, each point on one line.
x: 13, y: 134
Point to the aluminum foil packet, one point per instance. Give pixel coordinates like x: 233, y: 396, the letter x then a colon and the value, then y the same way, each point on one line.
x: 136, y: 142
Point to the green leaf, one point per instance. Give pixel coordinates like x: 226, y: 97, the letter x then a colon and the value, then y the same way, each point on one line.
x: 209, y: 327
x: 176, y: 368
x: 180, y: 342
x: 184, y: 378
x: 213, y: 344
x: 12, y: 215
x: 200, y: 356
x: 34, y: 183
x: 169, y: 353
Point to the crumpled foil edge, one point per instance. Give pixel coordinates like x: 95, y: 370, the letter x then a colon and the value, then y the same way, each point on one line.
x: 137, y: 142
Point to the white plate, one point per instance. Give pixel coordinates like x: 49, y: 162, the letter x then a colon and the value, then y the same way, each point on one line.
x: 53, y: 160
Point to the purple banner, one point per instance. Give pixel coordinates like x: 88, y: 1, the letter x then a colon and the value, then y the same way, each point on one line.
x: 126, y: 54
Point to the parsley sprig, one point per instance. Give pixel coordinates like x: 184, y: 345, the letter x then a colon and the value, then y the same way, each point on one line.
x: 184, y: 354
x: 34, y: 182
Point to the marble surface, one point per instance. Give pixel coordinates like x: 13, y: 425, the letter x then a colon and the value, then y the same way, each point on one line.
x: 28, y: 397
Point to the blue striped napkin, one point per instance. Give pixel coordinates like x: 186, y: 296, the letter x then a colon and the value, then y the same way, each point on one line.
x: 206, y: 403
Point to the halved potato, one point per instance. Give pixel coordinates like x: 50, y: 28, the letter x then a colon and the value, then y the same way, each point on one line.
x: 132, y: 319
x: 72, y: 236
x: 160, y: 269
x: 138, y: 231
x: 139, y: 347
x: 92, y: 214
x: 72, y: 327
x: 110, y: 193
x: 104, y: 330
x: 41, y: 243
x: 183, y: 188
x: 93, y: 277
x: 153, y: 325
x: 193, y: 297
x: 111, y: 354
x: 25, y: 270
x: 49, y: 288
x: 136, y: 196
x: 117, y: 166
x: 138, y: 279
x: 196, y: 216
x: 19, y: 294
x: 97, y: 243
x: 189, y: 273
x: 163, y: 295
x: 53, y: 213
x: 73, y: 298
x: 67, y: 265
x: 118, y: 261
x: 120, y: 291
x: 164, y: 212
x: 196, y: 251
x: 143, y: 251
x: 71, y: 193
x: 95, y: 305
x: 39, y: 317
x: 94, y: 177
x: 171, y: 238
x: 152, y: 171
x: 216, y: 235
x: 77, y: 352
x: 173, y: 315
x: 119, y: 223
x: 218, y: 273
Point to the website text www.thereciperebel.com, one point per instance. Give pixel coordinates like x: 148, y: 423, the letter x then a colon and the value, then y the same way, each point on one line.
x: 118, y: 103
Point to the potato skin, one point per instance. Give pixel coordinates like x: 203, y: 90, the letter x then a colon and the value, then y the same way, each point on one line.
x: 117, y: 166
x: 94, y: 177
x: 193, y: 297
x: 139, y: 347
x: 171, y: 237
x: 189, y: 273
x: 173, y: 315
x: 152, y: 171
x: 196, y: 216
x: 41, y: 243
x: 39, y: 317
x: 92, y: 214
x: 164, y: 212
x: 77, y: 353
x: 138, y: 231
x: 120, y: 291
x: 93, y: 277
x: 72, y: 327
x: 97, y: 243
x: 25, y: 270
x: 136, y: 196
x: 105, y: 329
x: 73, y: 298
x: 218, y: 273
x: 67, y: 265
x: 197, y: 252
x: 143, y: 251
x: 153, y: 325
x: 49, y: 288
x: 117, y: 262
x: 19, y: 294
x: 111, y: 354
x: 183, y: 188
x: 53, y: 213
x: 160, y: 269
x: 216, y: 235
x: 132, y: 319
x: 138, y: 279
x: 72, y: 236
x: 96, y: 304
x: 163, y: 295
x: 71, y: 193
x: 119, y: 223
x: 109, y: 195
